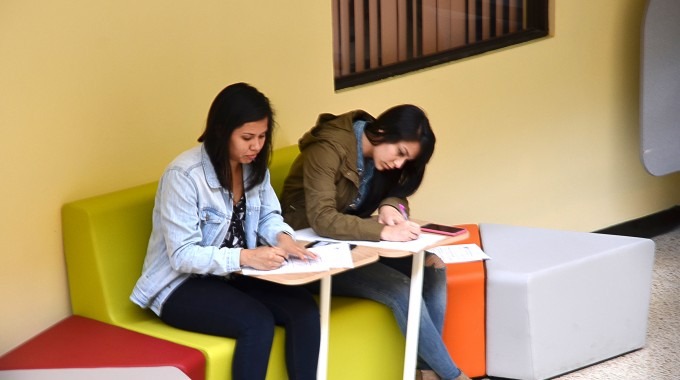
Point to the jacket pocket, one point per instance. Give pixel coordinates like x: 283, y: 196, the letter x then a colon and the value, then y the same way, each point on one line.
x: 212, y: 222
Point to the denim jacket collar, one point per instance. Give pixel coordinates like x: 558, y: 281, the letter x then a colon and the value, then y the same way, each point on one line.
x: 209, y: 170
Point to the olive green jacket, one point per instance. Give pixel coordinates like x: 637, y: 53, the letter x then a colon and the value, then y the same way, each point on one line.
x: 324, y: 180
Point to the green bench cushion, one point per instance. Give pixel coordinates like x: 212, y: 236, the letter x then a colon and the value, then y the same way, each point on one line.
x: 105, y: 241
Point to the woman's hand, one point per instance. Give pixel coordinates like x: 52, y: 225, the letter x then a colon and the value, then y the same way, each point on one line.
x: 263, y: 258
x: 268, y: 258
x: 404, y: 231
x: 294, y: 248
x: 390, y: 216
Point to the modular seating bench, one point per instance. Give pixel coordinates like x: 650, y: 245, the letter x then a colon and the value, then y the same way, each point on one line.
x: 105, y: 241
x: 548, y: 302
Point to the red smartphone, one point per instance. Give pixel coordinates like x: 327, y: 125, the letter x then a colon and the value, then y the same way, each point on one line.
x: 442, y: 229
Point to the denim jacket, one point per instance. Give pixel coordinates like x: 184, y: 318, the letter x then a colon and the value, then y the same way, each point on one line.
x: 191, y: 215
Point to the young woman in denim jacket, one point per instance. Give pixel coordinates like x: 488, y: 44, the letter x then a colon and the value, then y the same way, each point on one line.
x: 212, y: 204
x: 351, y: 166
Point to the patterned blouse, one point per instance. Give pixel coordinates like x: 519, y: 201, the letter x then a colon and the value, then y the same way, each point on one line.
x: 236, y: 235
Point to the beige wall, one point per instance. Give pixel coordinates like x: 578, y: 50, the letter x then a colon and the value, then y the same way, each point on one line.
x: 99, y: 95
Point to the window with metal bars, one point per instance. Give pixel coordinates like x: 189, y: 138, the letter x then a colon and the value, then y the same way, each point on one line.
x: 376, y: 39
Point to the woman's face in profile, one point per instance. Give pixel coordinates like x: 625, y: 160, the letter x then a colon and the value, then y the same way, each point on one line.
x: 390, y: 156
x: 247, y: 141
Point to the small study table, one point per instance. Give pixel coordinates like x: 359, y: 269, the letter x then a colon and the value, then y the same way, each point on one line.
x: 360, y: 256
x: 363, y: 255
x: 415, y: 297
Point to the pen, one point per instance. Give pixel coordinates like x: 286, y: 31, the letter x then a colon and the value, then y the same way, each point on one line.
x: 267, y: 243
x: 403, y: 211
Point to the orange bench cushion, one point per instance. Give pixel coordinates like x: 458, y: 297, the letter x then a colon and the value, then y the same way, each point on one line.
x: 464, y: 326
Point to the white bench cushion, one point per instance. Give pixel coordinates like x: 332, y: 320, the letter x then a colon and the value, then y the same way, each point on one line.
x: 561, y: 300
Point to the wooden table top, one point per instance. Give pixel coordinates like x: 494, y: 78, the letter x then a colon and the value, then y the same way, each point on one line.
x: 361, y: 255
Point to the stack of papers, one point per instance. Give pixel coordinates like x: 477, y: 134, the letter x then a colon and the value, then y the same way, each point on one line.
x: 332, y: 255
x: 459, y: 253
x: 423, y: 241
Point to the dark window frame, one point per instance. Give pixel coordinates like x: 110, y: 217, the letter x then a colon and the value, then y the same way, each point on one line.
x: 537, y: 26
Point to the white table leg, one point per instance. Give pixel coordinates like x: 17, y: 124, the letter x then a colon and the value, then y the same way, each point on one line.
x: 413, y: 324
x: 325, y: 310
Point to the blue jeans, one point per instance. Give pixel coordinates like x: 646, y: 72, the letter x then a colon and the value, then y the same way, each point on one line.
x: 388, y: 282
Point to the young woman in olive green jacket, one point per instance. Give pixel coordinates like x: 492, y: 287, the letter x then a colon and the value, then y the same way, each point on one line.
x: 350, y: 167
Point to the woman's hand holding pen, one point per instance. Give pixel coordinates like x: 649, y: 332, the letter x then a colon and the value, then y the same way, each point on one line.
x: 390, y: 216
x: 397, y: 226
x: 404, y: 231
x: 292, y: 247
x: 270, y: 257
x: 263, y: 257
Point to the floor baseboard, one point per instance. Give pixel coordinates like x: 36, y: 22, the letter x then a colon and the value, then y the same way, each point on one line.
x: 648, y: 226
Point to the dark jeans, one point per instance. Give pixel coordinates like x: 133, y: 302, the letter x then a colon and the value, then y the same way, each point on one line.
x: 247, y: 309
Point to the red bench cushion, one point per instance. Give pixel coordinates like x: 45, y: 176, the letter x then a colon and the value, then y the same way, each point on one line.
x: 79, y: 342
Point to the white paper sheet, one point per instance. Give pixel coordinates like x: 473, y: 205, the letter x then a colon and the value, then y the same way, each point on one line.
x: 336, y: 255
x: 459, y: 253
x: 423, y: 241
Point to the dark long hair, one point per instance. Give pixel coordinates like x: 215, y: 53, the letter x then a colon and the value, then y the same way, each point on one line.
x: 405, y: 122
x: 234, y: 106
